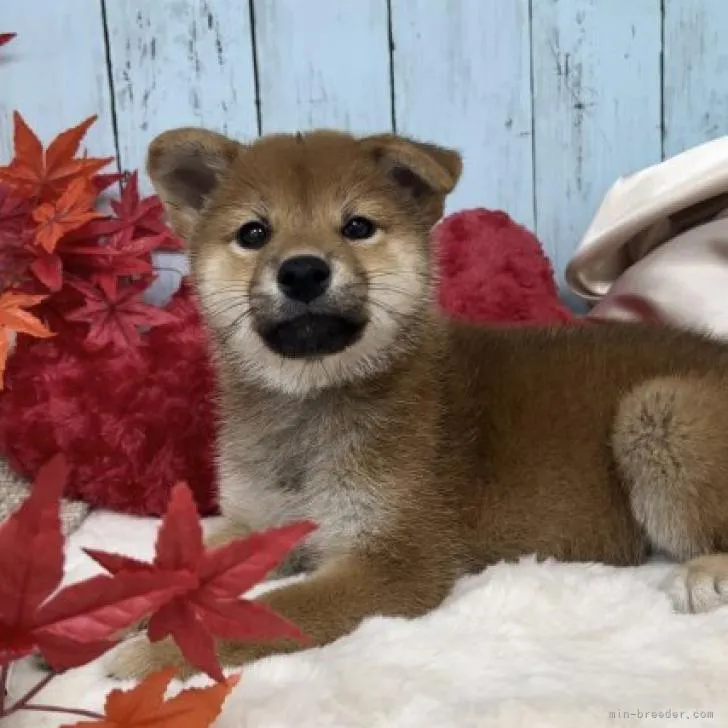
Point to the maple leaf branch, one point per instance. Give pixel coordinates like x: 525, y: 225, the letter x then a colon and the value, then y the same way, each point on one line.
x: 22, y: 702
x: 4, y: 674
x: 66, y: 711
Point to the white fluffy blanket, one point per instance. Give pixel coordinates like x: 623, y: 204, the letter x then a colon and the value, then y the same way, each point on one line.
x: 550, y: 645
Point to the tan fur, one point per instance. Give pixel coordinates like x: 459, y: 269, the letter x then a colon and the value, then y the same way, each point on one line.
x: 427, y: 449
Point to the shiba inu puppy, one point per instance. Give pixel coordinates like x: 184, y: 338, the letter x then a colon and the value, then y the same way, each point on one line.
x: 424, y: 449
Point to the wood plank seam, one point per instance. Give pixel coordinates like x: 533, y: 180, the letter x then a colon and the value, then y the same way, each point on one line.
x: 256, y: 67
x: 534, y: 201
x: 110, y: 81
x: 663, y: 130
x: 392, y: 88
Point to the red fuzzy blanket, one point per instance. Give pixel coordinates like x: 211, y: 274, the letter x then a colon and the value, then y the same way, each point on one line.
x: 132, y: 425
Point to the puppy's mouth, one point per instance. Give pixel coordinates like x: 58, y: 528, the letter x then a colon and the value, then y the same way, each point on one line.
x: 313, y: 335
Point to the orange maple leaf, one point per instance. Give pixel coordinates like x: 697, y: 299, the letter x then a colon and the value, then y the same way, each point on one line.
x: 71, y: 211
x: 46, y: 174
x: 145, y: 705
x: 14, y: 317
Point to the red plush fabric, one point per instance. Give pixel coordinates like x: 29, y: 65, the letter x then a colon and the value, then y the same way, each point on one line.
x: 132, y: 425
x: 493, y: 270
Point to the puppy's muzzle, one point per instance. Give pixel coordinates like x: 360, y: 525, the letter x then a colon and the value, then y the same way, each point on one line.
x: 312, y: 319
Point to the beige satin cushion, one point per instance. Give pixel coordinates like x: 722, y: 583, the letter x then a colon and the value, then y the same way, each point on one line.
x: 658, y: 246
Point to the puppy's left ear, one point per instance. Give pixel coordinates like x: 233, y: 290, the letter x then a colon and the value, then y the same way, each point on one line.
x: 426, y: 171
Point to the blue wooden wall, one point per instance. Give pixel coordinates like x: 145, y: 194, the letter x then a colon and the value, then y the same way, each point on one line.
x: 549, y: 100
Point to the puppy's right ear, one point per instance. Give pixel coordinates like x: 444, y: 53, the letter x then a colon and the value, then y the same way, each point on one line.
x: 185, y: 166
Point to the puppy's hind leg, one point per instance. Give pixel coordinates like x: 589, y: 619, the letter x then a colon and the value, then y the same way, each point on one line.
x: 670, y: 442
x: 699, y: 585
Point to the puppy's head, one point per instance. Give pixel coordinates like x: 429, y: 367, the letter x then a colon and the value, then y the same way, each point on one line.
x: 310, y: 252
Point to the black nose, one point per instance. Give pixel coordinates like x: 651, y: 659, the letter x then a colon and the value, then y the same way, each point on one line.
x: 304, y: 277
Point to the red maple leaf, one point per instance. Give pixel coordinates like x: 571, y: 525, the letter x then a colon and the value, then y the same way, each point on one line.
x: 79, y: 622
x: 26, y: 261
x: 84, y: 258
x: 119, y: 256
x: 14, y: 210
x: 71, y: 211
x: 15, y: 260
x: 138, y: 217
x: 84, y: 620
x: 101, y: 263
x: 75, y: 256
x: 115, y: 312
x: 47, y: 268
x: 44, y: 175
x: 212, y: 607
x: 31, y: 559
x: 124, y: 245
x: 21, y: 260
x: 6, y: 38
x: 102, y: 182
x: 14, y: 257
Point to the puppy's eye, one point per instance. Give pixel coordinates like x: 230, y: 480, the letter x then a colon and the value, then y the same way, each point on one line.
x: 358, y: 228
x: 253, y: 235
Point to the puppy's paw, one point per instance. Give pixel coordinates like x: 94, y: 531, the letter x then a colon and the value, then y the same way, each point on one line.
x: 700, y: 585
x: 137, y: 658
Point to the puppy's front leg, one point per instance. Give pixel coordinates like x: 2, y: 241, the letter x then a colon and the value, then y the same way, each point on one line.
x: 325, y: 607
x: 226, y: 531
x: 342, y: 593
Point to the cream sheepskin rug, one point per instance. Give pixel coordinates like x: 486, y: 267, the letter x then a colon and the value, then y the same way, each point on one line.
x: 536, y: 645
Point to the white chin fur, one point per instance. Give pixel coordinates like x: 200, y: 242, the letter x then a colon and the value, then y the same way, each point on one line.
x: 371, y: 354
x: 383, y: 339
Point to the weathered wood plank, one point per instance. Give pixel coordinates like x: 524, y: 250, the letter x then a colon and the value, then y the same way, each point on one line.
x: 696, y: 73
x: 462, y: 77
x: 177, y: 63
x: 54, y: 73
x: 323, y: 63
x: 596, y: 108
